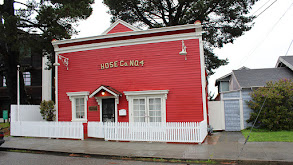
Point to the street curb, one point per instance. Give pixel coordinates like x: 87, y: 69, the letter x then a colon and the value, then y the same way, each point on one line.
x: 148, y: 159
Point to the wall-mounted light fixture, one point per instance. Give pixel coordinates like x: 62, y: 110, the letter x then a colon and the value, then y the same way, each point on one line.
x: 103, y: 93
x: 64, y: 60
x: 183, y: 52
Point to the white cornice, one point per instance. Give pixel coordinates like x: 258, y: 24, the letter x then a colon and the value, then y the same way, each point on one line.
x: 123, y: 23
x: 77, y: 94
x: 146, y: 40
x: 130, y: 33
x: 149, y: 92
x: 143, y: 93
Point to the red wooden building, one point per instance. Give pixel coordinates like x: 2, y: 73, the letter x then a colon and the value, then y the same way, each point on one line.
x: 132, y: 75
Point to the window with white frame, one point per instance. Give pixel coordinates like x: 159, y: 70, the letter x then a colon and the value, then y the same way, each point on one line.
x: 27, y: 78
x: 79, y: 105
x: 147, y: 106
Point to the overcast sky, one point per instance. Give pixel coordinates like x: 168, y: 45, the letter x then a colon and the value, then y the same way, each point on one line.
x: 270, y: 37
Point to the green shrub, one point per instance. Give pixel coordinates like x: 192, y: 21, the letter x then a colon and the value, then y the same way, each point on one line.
x: 277, y: 112
x: 47, y: 110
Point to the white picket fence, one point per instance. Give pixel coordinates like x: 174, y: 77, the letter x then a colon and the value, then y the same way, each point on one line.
x: 72, y: 130
x: 190, y: 132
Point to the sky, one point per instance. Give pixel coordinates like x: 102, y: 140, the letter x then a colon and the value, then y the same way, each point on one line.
x: 260, y: 47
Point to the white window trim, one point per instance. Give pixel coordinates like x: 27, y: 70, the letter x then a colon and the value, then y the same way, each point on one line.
x: 72, y: 98
x: 130, y: 95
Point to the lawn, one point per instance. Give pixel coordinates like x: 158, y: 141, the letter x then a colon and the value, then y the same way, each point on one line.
x: 260, y: 135
x: 4, y: 125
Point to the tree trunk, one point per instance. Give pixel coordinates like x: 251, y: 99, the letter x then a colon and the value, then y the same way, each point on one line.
x: 10, y: 53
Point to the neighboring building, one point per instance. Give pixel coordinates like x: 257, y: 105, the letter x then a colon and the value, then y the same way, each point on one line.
x: 132, y: 75
x: 32, y: 73
x: 235, y: 88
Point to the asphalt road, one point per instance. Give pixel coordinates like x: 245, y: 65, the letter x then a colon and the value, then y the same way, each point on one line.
x: 18, y: 158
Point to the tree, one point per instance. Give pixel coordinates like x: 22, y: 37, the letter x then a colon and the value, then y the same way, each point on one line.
x: 223, y: 21
x: 47, y: 110
x: 277, y: 112
x: 32, y: 27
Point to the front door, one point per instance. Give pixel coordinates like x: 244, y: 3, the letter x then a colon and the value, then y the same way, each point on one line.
x: 108, y: 110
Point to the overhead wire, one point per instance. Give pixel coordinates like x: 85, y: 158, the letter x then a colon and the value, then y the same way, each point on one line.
x: 267, y: 35
x: 261, y: 7
x: 266, y: 8
x: 289, y: 48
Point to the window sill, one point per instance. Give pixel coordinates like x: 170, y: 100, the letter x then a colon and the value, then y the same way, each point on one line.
x: 79, y: 120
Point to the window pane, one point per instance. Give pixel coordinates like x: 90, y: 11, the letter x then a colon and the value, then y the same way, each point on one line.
x: 27, y: 78
x: 135, y: 113
x: 151, y: 101
x: 135, y: 101
x: 142, y: 101
x: 158, y: 107
x: 135, y: 107
x: 158, y: 100
x: 142, y: 107
x: 158, y: 119
x: 152, y: 119
x: 79, y: 108
x: 142, y: 113
x: 151, y: 107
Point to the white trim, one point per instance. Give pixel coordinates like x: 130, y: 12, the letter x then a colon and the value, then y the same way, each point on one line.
x: 121, y: 22
x: 55, y: 43
x: 241, y: 111
x: 281, y: 60
x: 72, y: 94
x: 72, y: 97
x: 203, y: 79
x: 106, y: 89
x: 145, y: 40
x: 149, y: 92
x: 56, y: 85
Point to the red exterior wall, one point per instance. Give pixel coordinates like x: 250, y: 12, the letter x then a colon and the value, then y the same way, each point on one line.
x: 119, y: 28
x: 163, y: 69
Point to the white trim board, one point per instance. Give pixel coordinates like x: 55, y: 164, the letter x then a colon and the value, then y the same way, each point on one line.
x: 112, y: 35
x: 157, y: 39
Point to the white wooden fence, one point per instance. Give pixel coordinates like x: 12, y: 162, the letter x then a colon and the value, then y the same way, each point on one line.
x: 190, y: 132
x: 72, y: 130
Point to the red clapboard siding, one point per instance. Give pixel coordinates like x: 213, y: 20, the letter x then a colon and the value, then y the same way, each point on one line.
x: 119, y: 28
x: 164, y: 69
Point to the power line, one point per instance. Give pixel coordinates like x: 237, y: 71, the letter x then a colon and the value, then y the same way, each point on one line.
x: 266, y: 8
x: 246, y: 57
x: 261, y: 7
x: 289, y: 48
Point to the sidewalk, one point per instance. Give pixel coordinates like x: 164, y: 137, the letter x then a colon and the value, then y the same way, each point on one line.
x: 220, y: 146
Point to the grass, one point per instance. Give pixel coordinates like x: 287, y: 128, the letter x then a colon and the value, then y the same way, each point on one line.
x: 4, y: 125
x: 261, y: 135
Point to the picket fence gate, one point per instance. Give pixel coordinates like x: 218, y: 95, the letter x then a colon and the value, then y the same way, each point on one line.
x: 72, y: 130
x: 189, y: 132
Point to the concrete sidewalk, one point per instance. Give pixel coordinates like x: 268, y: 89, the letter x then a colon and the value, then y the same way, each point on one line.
x: 220, y: 146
